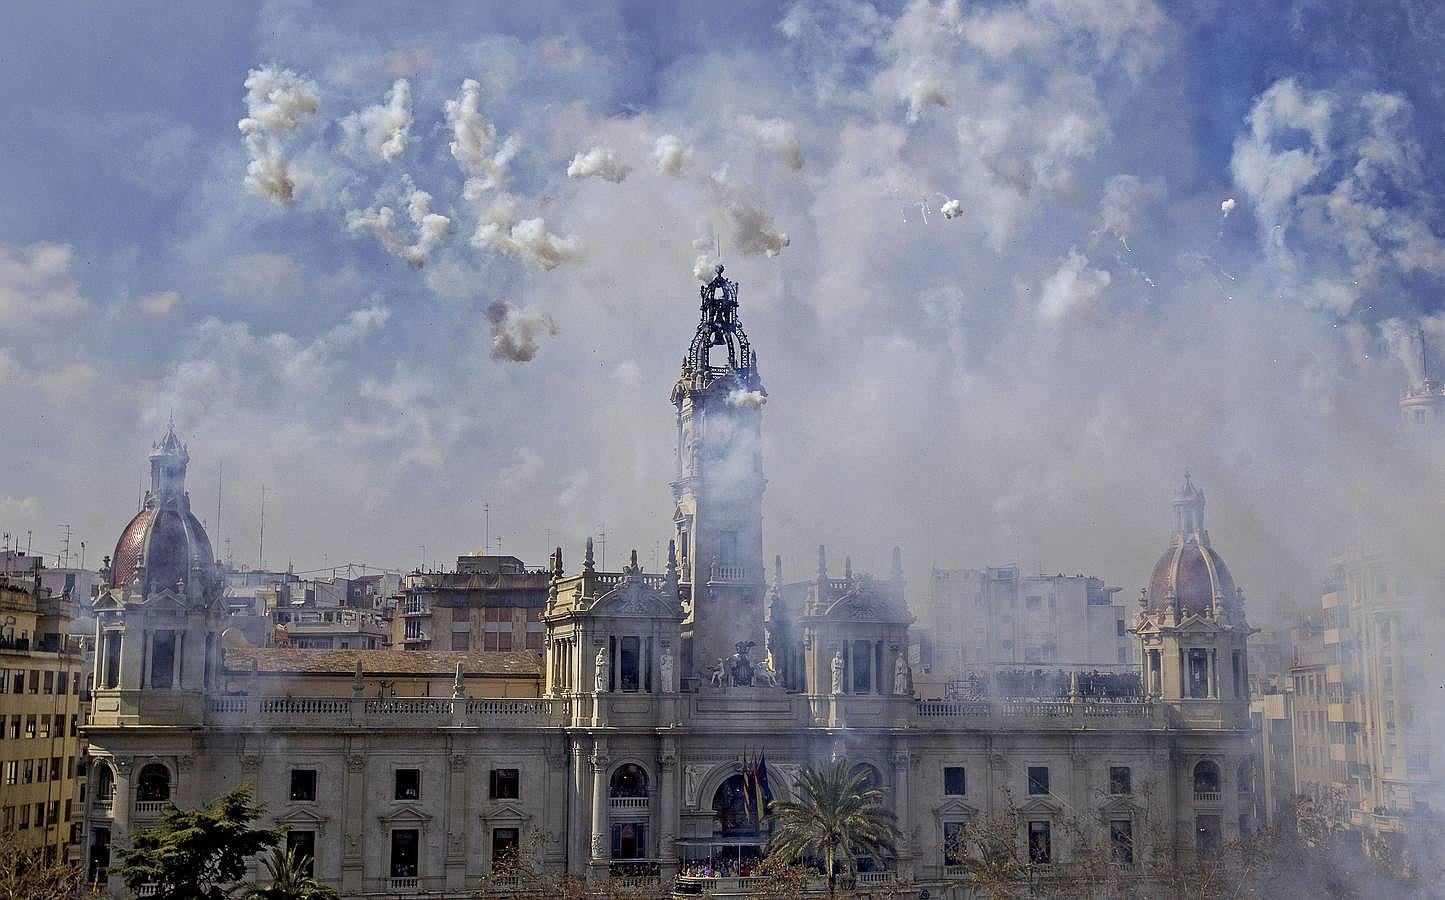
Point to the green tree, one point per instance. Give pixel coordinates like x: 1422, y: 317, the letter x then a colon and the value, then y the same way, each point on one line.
x: 837, y: 817
x: 291, y: 879
x: 197, y: 854
x: 27, y: 875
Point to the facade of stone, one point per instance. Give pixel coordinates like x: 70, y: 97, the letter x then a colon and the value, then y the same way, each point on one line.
x: 653, y: 692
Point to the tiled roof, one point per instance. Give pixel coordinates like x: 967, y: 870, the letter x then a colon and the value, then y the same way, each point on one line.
x: 515, y: 663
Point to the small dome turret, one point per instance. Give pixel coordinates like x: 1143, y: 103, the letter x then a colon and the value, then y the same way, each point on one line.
x: 164, y: 543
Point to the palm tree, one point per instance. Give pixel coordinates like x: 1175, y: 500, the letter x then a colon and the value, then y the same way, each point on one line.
x: 291, y: 879
x: 837, y: 816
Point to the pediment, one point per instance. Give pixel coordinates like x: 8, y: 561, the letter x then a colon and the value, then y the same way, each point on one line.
x: 866, y: 604
x: 1042, y: 805
x: 633, y: 598
x: 955, y: 806
x: 506, y: 813
x: 1198, y: 624
x: 302, y: 816
x: 406, y: 815
x: 106, y: 602
x: 163, y: 599
x: 1119, y: 807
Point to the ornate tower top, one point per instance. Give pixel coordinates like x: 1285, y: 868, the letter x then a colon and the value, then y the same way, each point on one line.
x: 1188, y: 507
x: 168, y: 459
x: 719, y: 326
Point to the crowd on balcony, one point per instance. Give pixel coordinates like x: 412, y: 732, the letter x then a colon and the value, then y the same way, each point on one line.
x: 1055, y: 684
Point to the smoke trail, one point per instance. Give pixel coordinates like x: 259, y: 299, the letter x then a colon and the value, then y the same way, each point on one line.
x: 277, y: 101
x: 515, y: 333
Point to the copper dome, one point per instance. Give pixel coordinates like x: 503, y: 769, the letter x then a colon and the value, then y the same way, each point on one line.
x: 164, y: 537
x: 168, y: 540
x: 1193, y: 574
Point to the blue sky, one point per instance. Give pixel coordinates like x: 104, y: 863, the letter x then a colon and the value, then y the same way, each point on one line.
x: 1024, y: 381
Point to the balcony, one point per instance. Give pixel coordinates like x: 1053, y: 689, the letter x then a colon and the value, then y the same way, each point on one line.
x: 630, y: 804
x: 403, y: 884
x: 1209, y: 797
x: 150, y: 809
x: 104, y: 807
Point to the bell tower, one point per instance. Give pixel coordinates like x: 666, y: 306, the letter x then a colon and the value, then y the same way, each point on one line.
x: 718, y: 492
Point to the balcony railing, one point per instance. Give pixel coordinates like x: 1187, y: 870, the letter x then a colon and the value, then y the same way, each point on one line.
x: 105, y: 806
x: 633, y: 803
x: 332, y: 711
x: 149, y: 809
x: 1208, y: 797
x: 403, y: 884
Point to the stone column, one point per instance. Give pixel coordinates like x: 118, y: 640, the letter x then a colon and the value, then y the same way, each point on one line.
x: 353, y: 863
x: 457, y: 825
x: 120, y: 836
x: 667, y: 810
x: 601, y: 837
x: 902, y: 806
x: 576, y: 852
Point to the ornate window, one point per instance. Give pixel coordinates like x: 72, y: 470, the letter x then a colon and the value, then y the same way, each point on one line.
x: 154, y: 784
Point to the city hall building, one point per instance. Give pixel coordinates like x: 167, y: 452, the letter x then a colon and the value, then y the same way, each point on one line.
x: 619, y: 749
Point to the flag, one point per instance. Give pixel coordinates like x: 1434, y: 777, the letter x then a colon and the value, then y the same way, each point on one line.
x: 760, y: 784
x: 749, y: 792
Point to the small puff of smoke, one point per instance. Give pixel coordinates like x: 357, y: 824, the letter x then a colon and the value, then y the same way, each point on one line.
x: 431, y: 227
x: 671, y: 156
x: 704, y: 268
x: 753, y: 230
x: 472, y: 140
x: 1072, y: 290
x: 778, y: 135
x: 277, y: 101
x: 1127, y: 199
x: 750, y: 399
x: 527, y: 239
x: 1227, y: 207
x: 383, y: 130
x: 515, y: 333
x: 951, y: 209
x: 602, y: 162
x: 921, y: 94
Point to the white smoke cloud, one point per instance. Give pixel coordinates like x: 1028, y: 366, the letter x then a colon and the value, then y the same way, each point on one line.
x: 383, y: 131
x: 951, y: 209
x: 1072, y: 290
x: 1227, y: 207
x: 921, y: 93
x: 515, y: 333
x: 753, y: 229
x: 430, y: 228
x: 704, y: 268
x: 473, y: 140
x: 1404, y: 342
x: 671, y: 155
x: 778, y: 135
x: 501, y: 230
x: 601, y: 162
x: 1127, y: 199
x: 277, y: 102
x: 36, y: 283
x: 750, y: 399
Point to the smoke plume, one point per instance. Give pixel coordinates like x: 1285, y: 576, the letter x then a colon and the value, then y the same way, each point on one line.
x: 277, y: 102
x: 502, y: 231
x: 515, y: 333
x: 429, y: 227
x: 601, y: 162
x: 671, y: 155
x: 778, y: 135
x: 382, y: 131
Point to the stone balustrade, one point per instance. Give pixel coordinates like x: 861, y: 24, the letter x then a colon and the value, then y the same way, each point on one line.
x: 403, y: 712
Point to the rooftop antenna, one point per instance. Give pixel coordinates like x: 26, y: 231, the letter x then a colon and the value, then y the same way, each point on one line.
x: 486, y: 526
x: 602, y: 540
x: 64, y: 553
x: 82, y: 554
x: 220, y: 469
x: 261, y: 552
x: 1424, y: 362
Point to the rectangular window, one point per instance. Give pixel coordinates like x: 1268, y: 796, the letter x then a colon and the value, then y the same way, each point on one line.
x: 404, y: 853
x: 1198, y: 674
x: 1206, y: 836
x: 408, y: 784
x: 1038, y: 779
x: 12, y: 771
x: 55, y: 768
x: 49, y: 683
x: 110, y: 671
x: 163, y: 658
x: 1121, y: 841
x: 62, y: 685
x: 727, y: 549
x: 1119, y: 780
x: 52, y: 812
x: 506, y: 784
x: 953, y: 781
x: 505, y: 845
x: 1119, y: 628
x: 629, y: 667
x: 1041, y: 843
x: 303, y: 784
x: 954, y: 849
x: 34, y: 681
x: 19, y: 681
x: 1238, y: 668
x: 24, y: 816
x: 862, y: 666
x: 629, y: 840
x: 303, y: 844
x: 28, y: 772
x: 30, y: 726
x: 461, y: 640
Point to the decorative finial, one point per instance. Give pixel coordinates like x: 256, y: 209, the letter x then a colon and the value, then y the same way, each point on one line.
x: 589, y: 564
x: 633, y: 563
x: 847, y: 568
x: 897, y: 563
x: 822, y: 562
x: 458, y: 686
